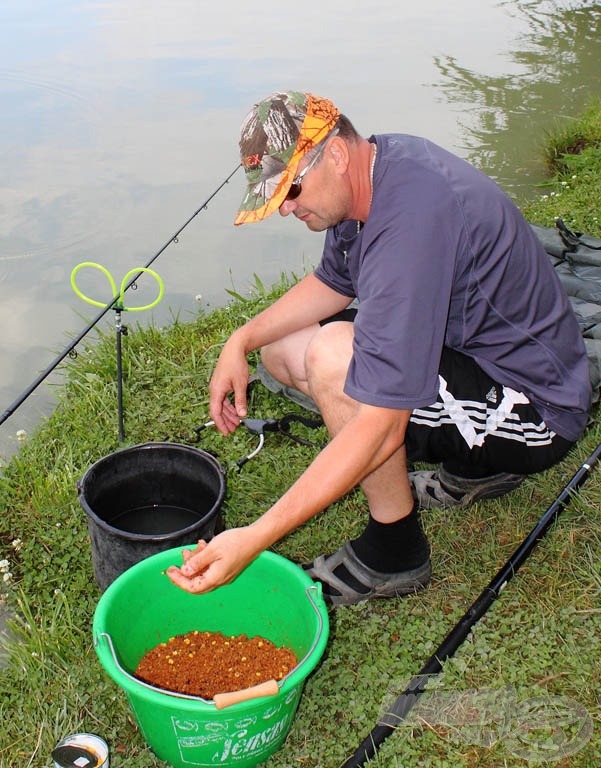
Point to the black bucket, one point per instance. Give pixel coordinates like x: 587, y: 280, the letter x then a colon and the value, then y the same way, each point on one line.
x: 146, y: 499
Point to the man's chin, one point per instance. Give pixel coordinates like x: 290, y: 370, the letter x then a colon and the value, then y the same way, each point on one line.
x: 314, y: 223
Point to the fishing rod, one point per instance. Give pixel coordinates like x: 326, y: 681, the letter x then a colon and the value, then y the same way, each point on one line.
x: 119, y: 307
x: 405, y: 702
x: 70, y: 347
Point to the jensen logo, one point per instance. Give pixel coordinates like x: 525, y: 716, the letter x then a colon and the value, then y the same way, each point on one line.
x: 242, y: 745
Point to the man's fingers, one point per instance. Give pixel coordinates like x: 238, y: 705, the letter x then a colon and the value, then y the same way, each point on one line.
x: 240, y: 402
x: 188, y: 554
x: 225, y: 417
x: 196, y: 575
x: 213, y: 564
x: 195, y: 585
x: 196, y: 562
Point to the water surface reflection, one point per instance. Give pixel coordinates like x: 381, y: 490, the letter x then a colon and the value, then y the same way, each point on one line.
x: 555, y: 70
x: 121, y: 117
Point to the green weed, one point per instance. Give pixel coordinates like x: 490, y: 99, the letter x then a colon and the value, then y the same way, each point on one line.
x: 541, y: 638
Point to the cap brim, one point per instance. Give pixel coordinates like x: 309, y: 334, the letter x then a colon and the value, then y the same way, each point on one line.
x: 266, y: 197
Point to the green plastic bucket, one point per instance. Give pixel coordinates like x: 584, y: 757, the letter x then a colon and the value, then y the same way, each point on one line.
x: 272, y: 597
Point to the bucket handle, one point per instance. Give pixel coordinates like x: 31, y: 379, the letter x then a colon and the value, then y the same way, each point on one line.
x: 310, y: 592
x: 137, y: 680
x: 268, y: 688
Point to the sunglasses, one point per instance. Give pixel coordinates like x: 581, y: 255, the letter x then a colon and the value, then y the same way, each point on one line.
x: 297, y: 185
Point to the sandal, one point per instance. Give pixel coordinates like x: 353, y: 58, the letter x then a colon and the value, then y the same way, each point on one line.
x: 366, y: 583
x: 442, y: 489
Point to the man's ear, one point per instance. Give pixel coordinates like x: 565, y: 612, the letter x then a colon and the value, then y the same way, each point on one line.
x: 338, y: 150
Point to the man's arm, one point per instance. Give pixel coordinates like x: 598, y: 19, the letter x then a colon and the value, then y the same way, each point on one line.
x: 305, y: 304
x: 366, y: 441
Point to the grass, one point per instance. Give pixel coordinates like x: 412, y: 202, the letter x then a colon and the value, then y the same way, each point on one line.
x: 537, y: 649
x: 573, y: 157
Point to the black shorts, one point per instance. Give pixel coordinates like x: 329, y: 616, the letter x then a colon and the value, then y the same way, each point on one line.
x: 478, y: 426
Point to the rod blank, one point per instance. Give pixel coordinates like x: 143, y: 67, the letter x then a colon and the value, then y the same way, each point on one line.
x: 69, y: 348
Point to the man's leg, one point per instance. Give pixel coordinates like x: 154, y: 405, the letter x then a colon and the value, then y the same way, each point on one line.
x: 282, y: 369
x: 391, y: 557
x: 285, y: 359
x: 315, y: 361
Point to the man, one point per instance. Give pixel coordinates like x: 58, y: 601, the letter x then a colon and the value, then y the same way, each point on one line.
x: 463, y: 351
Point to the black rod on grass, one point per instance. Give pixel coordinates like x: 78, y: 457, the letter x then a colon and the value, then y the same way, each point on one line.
x: 433, y: 666
x: 70, y: 347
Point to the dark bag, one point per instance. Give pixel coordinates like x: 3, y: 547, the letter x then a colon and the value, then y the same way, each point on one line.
x: 577, y: 261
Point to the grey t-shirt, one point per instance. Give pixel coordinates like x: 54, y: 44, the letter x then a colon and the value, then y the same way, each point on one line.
x: 446, y: 259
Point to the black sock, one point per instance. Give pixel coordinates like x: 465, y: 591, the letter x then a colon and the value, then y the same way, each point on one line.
x: 387, y: 548
x: 393, y: 547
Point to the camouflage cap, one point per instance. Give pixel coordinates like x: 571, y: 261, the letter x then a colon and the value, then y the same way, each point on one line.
x: 275, y: 135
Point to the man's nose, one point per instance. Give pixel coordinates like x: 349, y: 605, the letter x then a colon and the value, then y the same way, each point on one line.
x: 287, y: 207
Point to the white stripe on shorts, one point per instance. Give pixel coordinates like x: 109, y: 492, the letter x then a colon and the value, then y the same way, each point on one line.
x: 475, y: 420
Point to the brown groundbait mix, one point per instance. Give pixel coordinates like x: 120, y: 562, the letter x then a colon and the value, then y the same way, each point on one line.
x: 206, y: 663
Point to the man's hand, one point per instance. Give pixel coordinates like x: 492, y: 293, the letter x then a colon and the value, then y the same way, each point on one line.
x: 216, y: 563
x: 230, y: 376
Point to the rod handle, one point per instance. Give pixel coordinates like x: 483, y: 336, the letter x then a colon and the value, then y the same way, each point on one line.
x: 268, y: 688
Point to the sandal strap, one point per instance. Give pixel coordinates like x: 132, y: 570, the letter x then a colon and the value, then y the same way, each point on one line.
x: 440, y: 488
x: 376, y: 583
x: 324, y: 566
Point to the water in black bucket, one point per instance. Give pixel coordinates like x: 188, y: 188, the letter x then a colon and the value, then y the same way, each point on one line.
x: 154, y: 519
x: 148, y: 498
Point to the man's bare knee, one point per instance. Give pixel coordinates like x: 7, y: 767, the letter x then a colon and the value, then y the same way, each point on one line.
x: 285, y: 358
x: 274, y: 359
x: 329, y: 354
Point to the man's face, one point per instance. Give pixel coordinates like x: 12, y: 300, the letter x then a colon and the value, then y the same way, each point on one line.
x: 322, y: 201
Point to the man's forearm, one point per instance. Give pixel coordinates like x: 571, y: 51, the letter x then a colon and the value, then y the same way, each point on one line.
x: 306, y: 303
x: 360, y: 448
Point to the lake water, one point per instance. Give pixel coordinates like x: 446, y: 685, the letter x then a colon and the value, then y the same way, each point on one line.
x: 121, y: 117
